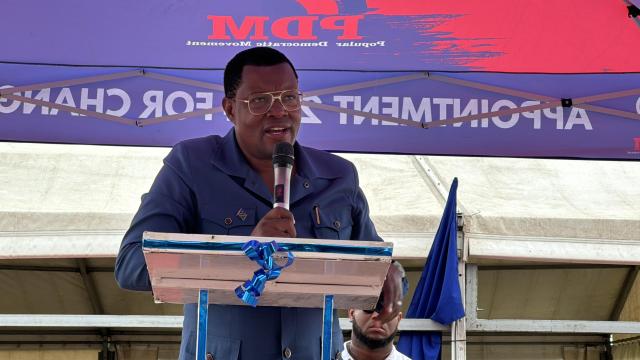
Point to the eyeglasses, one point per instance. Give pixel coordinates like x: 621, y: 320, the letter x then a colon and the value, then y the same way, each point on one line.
x: 261, y: 103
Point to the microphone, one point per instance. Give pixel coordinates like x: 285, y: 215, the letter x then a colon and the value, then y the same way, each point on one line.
x: 282, y: 165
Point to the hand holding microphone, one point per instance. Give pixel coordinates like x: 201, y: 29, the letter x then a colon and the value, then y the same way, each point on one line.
x: 276, y: 223
x: 279, y: 222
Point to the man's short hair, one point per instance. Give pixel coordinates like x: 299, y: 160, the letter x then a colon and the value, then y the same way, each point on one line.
x: 257, y: 56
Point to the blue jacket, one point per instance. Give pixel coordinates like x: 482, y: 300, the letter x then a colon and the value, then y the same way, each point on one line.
x: 200, y: 189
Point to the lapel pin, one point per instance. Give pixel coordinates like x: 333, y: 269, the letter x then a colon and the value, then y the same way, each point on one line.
x: 241, y: 214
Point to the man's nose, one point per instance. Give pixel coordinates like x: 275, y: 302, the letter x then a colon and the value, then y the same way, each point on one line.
x: 277, y: 109
x: 375, y: 321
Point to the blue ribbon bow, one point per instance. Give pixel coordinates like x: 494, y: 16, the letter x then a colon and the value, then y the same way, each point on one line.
x: 261, y: 253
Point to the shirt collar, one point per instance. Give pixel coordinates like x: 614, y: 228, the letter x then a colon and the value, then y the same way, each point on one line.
x: 313, y: 164
x: 392, y: 355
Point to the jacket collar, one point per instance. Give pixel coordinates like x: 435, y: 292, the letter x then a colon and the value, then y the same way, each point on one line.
x: 229, y: 158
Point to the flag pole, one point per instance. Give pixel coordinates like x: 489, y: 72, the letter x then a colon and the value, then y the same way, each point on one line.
x: 459, y: 327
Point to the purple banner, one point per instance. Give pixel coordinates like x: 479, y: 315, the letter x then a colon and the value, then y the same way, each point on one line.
x: 529, y: 36
x: 555, y: 131
x: 333, y: 43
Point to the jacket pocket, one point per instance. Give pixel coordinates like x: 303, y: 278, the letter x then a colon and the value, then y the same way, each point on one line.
x: 223, y: 348
x: 332, y: 223
x: 227, y: 219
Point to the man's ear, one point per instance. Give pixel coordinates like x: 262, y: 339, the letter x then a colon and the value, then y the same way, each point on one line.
x: 350, y: 313
x: 229, y: 108
x: 400, y: 316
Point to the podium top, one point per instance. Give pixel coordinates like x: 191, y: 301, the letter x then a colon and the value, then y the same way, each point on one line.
x: 232, y: 245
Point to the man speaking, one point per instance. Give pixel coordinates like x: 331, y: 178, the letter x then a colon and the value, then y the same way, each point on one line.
x: 224, y: 186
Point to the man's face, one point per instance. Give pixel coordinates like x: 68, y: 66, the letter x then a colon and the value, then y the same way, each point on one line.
x: 369, y: 331
x: 258, y: 134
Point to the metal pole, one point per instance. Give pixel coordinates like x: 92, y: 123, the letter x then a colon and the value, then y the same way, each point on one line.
x: 203, y: 316
x: 327, y: 326
x: 459, y: 327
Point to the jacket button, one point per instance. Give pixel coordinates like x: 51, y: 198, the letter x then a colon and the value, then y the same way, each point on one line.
x: 209, y: 356
x: 228, y: 221
x: 286, y: 353
x: 336, y: 224
x: 306, y: 184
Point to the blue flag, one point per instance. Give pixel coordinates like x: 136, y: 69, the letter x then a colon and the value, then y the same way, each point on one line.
x: 437, y: 294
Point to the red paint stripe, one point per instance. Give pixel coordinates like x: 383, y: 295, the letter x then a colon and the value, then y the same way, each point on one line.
x: 533, y: 35
x: 320, y: 7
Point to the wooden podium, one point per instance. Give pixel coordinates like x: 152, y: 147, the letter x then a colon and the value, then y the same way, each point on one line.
x: 211, y: 269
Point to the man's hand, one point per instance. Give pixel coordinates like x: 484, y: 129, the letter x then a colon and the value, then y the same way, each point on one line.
x: 278, y: 222
x: 392, y: 293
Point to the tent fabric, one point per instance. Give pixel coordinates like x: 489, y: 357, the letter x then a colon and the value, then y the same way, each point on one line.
x: 533, y: 351
x: 58, y: 191
x: 631, y: 309
x: 626, y: 351
x: 141, y: 352
x: 21, y: 285
x: 552, y: 294
x: 547, y: 198
x: 630, y: 312
x: 62, y: 190
x: 65, y: 188
x: 49, y: 354
x: 24, y: 283
x: 75, y: 194
x: 77, y: 187
x: 581, y: 353
x: 567, y: 51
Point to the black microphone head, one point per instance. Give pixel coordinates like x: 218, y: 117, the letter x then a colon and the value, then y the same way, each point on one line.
x: 283, y: 154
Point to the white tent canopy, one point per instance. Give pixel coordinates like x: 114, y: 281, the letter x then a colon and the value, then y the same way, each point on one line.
x: 535, y: 227
x: 78, y: 190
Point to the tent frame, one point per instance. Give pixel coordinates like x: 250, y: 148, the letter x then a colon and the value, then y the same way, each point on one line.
x: 546, y: 102
x: 471, y: 247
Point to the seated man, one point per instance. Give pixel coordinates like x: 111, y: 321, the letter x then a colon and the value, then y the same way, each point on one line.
x: 372, y: 339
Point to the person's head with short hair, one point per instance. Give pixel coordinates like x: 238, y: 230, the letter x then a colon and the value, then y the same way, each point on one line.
x: 371, y: 338
x: 257, y: 56
x: 369, y: 334
x: 263, y: 101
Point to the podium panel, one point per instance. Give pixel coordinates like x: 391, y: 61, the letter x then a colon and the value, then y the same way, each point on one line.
x: 180, y: 265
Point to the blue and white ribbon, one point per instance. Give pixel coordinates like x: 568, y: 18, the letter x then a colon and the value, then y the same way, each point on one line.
x: 262, y: 254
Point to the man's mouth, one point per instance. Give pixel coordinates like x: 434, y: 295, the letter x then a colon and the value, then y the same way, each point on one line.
x: 377, y: 330
x: 277, y: 131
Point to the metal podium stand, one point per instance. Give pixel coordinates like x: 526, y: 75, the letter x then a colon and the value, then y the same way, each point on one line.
x: 208, y: 269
